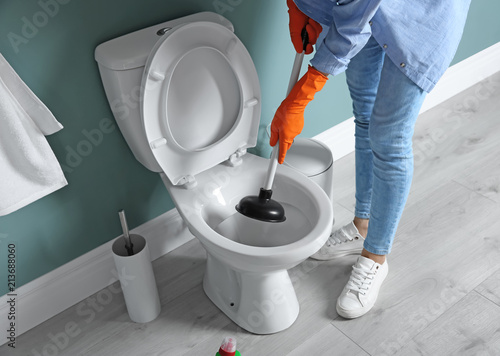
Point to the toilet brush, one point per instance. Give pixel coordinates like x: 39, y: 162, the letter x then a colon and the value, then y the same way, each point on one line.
x: 262, y: 207
x: 128, y: 241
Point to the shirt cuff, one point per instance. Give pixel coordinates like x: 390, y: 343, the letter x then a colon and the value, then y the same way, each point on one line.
x: 325, y: 61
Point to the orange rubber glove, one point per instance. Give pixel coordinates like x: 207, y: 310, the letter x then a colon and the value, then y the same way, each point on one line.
x: 289, y: 118
x: 298, y: 20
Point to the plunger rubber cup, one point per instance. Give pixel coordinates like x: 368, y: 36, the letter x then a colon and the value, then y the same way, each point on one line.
x: 262, y: 207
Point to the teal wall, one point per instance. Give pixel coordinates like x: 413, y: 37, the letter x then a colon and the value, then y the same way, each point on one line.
x: 57, y: 64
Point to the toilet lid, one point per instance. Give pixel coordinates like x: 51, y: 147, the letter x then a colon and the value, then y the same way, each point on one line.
x: 200, y: 99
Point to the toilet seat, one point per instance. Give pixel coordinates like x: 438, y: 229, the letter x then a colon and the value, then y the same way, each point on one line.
x: 200, y: 99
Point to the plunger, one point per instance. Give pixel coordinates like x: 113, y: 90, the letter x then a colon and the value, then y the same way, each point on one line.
x: 262, y: 207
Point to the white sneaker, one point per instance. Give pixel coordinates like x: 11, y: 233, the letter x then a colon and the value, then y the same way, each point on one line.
x: 345, y: 241
x: 361, y: 291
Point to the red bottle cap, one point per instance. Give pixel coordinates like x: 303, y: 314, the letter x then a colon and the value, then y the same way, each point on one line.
x: 228, y: 347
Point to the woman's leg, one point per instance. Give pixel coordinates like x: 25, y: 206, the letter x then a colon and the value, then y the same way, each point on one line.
x: 392, y: 123
x: 385, y: 105
x: 386, y: 155
x: 363, y: 76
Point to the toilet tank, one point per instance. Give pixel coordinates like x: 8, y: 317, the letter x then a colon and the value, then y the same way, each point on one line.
x: 121, y: 64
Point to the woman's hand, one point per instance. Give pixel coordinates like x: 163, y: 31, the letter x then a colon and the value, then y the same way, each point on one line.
x: 298, y: 20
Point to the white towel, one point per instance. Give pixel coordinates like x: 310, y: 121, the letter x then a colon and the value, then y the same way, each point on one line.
x: 29, y: 169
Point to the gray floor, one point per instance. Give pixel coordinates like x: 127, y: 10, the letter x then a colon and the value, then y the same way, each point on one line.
x: 442, y: 295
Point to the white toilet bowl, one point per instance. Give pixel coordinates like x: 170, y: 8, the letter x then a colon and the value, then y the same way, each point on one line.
x: 198, y: 144
x: 247, y: 260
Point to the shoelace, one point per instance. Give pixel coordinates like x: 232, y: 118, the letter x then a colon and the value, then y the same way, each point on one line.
x: 360, y: 280
x: 334, y: 239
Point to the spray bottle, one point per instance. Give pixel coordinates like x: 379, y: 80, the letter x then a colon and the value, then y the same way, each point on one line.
x: 228, y: 347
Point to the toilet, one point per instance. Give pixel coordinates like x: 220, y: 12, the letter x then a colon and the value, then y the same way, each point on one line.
x: 186, y: 97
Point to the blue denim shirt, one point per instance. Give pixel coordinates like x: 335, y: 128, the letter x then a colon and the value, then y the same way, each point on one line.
x: 420, y: 37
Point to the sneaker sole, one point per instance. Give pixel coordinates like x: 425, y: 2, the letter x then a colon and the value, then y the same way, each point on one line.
x: 350, y: 314
x: 340, y: 254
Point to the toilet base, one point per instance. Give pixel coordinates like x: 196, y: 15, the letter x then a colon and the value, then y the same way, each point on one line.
x: 262, y: 303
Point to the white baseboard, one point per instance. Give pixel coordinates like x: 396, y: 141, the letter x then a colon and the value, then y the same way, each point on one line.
x: 456, y: 79
x: 463, y: 75
x: 67, y: 285
x: 339, y: 138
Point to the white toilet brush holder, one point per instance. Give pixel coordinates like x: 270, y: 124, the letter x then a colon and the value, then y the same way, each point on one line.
x: 136, y: 277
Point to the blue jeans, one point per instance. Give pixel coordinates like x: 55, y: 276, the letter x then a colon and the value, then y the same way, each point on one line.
x: 386, y: 105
